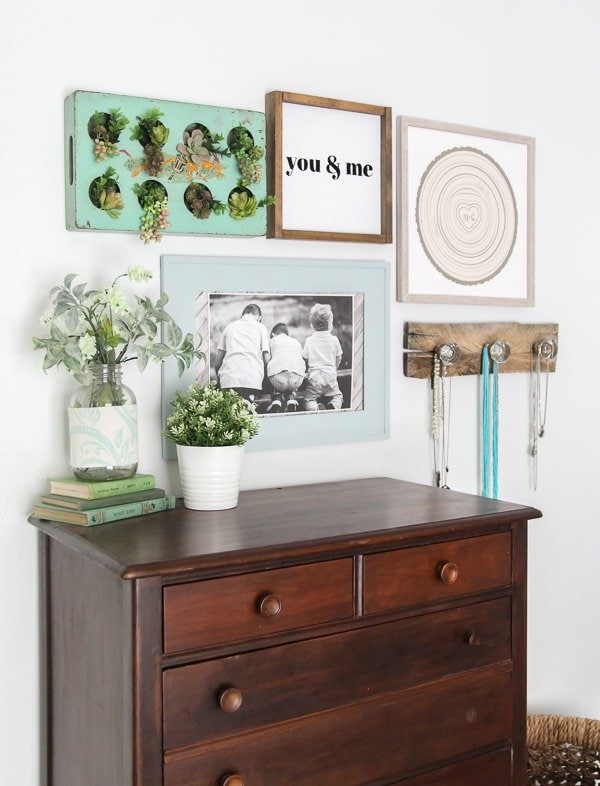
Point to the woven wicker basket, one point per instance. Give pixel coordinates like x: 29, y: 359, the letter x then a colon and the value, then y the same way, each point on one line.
x: 563, y: 750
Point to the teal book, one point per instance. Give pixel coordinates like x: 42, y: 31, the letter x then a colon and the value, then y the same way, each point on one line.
x: 69, y: 486
x: 90, y: 518
x: 72, y: 503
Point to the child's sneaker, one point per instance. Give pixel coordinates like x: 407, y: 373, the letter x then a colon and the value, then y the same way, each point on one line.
x: 274, y: 406
x: 292, y: 405
x: 321, y: 406
x: 331, y: 405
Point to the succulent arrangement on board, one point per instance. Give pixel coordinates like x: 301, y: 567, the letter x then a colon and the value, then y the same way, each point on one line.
x: 154, y: 200
x: 105, y: 129
x: 105, y: 193
x: 243, y: 204
x: 200, y: 201
x: 152, y: 134
x: 247, y: 154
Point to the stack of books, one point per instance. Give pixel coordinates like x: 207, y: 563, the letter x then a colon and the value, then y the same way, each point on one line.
x: 73, y: 501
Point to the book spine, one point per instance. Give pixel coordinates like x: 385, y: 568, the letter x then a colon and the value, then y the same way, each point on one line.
x: 136, y: 483
x: 72, y: 503
x: 117, y: 512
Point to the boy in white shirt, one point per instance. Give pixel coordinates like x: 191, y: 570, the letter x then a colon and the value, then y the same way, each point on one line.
x: 322, y: 352
x: 285, y: 369
x: 243, y: 353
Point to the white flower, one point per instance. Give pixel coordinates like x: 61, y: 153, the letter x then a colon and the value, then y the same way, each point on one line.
x: 87, y: 345
x: 138, y: 273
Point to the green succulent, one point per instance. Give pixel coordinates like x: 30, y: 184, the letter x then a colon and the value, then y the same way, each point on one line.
x: 150, y: 129
x: 242, y: 204
x: 105, y: 195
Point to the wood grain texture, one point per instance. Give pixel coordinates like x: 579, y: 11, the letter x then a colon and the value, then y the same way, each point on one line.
x: 347, y: 667
x: 491, y: 769
x: 332, y: 519
x: 219, y: 611
x: 421, y: 339
x: 407, y: 730
x: 274, y: 128
x: 90, y: 677
x: 396, y: 579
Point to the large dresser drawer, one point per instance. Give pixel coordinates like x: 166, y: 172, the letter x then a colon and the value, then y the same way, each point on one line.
x: 221, y: 611
x: 492, y: 769
x: 375, y: 741
x: 440, y: 571
x: 221, y: 697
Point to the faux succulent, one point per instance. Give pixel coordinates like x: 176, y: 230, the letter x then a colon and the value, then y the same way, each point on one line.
x: 152, y: 134
x: 247, y: 154
x: 200, y: 202
x: 154, y: 201
x: 105, y: 193
x: 243, y: 204
x: 105, y: 129
x: 199, y: 145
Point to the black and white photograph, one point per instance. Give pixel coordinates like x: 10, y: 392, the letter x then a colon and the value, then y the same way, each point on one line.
x: 286, y: 353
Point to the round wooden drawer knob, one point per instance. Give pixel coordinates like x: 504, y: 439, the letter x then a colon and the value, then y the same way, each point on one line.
x: 472, y: 639
x: 269, y: 606
x: 230, y: 700
x: 232, y: 780
x: 448, y: 573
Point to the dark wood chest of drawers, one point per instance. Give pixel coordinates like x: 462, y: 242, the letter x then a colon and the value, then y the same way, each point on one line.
x: 339, y: 634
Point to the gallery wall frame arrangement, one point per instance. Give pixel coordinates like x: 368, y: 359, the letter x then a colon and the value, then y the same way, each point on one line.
x: 329, y: 165
x: 206, y: 294
x: 152, y: 166
x: 465, y: 214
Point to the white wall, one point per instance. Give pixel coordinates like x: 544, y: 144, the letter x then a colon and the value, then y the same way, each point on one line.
x: 525, y: 66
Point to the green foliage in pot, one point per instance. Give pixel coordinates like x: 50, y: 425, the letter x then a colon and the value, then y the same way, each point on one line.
x: 210, y: 417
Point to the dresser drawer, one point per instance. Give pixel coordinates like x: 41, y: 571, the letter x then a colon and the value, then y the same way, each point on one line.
x: 375, y: 741
x: 424, y: 574
x: 492, y: 769
x: 221, y: 697
x: 222, y: 611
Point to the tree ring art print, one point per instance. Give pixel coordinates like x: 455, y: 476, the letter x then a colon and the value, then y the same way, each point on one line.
x: 466, y: 215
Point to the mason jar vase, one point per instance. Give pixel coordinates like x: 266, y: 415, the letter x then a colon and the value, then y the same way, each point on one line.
x: 103, y: 427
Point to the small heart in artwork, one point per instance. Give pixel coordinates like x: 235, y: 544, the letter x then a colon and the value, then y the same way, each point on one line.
x: 469, y: 215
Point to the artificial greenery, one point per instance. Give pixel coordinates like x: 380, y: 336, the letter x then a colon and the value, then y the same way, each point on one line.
x: 200, y: 202
x: 243, y: 204
x: 199, y: 145
x: 247, y: 154
x: 154, y: 201
x: 105, y: 193
x: 152, y: 134
x: 99, y: 326
x: 210, y: 417
x: 105, y: 129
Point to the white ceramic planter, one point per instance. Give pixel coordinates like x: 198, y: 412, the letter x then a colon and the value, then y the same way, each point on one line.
x: 210, y: 477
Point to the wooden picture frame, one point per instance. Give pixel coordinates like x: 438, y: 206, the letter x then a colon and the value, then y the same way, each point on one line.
x: 465, y: 215
x: 187, y: 279
x: 337, y: 185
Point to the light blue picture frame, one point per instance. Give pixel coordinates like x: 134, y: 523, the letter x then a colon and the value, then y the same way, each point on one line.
x: 182, y: 277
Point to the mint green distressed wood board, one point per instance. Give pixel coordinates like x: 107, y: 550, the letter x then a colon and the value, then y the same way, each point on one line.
x: 219, y: 173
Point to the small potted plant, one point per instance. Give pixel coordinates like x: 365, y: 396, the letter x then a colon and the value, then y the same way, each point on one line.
x: 210, y: 428
x: 152, y: 135
x: 105, y: 129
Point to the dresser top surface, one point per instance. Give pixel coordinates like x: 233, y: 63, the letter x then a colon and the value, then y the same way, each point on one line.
x: 291, y: 522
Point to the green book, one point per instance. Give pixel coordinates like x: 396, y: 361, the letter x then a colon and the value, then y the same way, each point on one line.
x: 72, y: 503
x: 69, y: 486
x: 89, y: 518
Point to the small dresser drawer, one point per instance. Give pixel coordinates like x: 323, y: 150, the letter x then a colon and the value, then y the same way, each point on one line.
x: 425, y: 574
x: 218, y: 698
x: 222, y: 611
x: 377, y: 741
x: 492, y: 769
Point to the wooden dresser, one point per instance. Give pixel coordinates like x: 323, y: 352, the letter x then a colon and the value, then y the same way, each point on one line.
x: 339, y: 634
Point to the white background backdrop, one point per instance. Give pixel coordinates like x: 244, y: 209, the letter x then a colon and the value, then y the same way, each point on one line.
x: 524, y: 66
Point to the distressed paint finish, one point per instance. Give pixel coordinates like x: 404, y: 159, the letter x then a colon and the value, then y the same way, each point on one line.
x: 220, y: 174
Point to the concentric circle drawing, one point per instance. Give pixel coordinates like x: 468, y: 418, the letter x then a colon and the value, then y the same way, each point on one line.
x: 466, y: 215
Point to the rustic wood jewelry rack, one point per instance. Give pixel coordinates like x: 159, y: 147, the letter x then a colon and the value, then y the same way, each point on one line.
x: 423, y: 339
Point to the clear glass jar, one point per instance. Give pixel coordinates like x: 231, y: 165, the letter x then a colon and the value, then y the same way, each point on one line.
x: 103, y: 427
